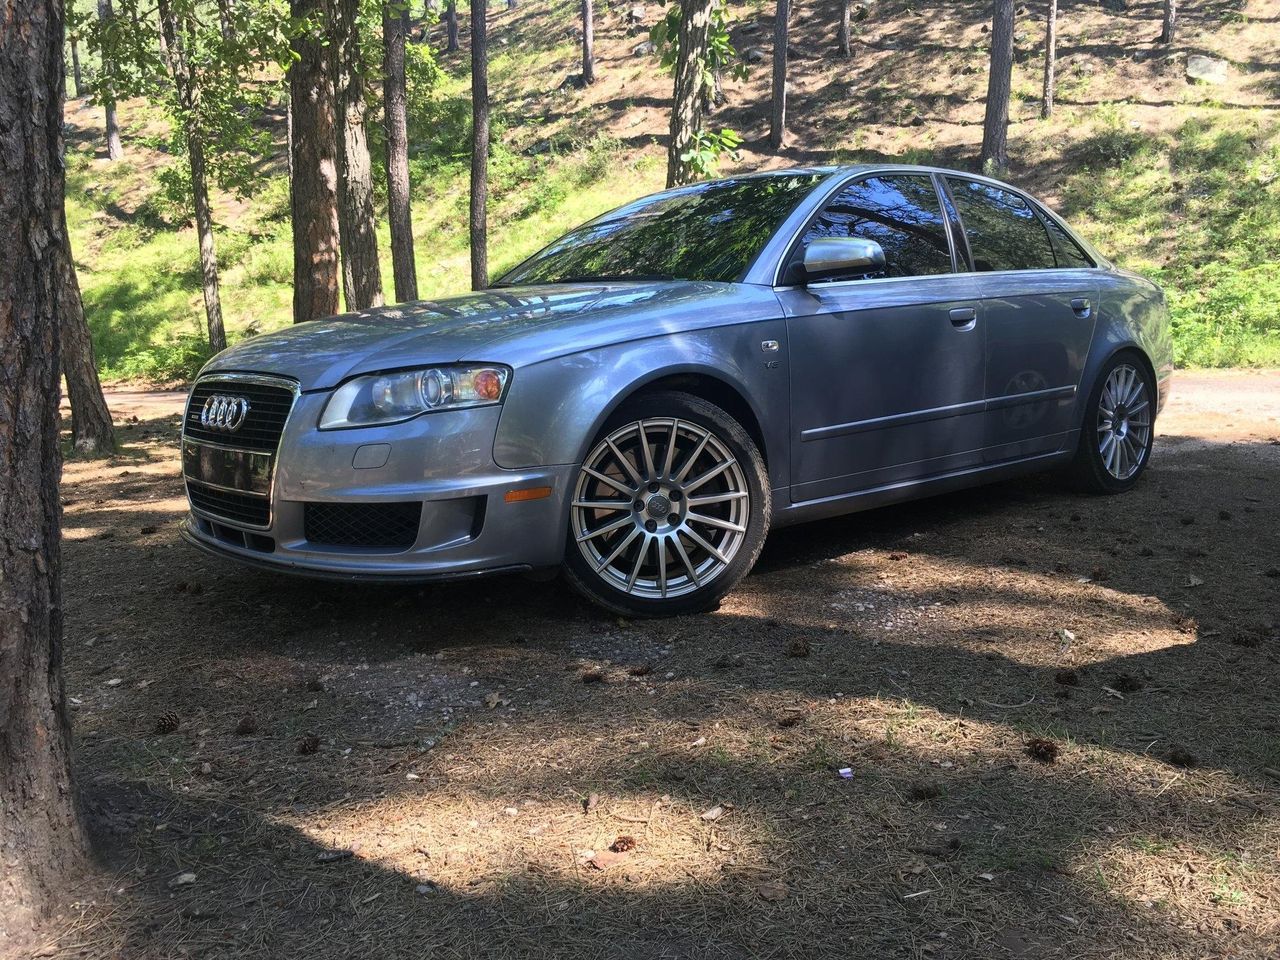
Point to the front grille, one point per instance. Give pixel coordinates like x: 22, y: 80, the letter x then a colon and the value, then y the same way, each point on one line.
x: 236, y: 507
x: 269, y: 407
x: 362, y: 524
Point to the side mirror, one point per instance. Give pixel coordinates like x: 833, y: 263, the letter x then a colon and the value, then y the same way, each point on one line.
x: 836, y: 256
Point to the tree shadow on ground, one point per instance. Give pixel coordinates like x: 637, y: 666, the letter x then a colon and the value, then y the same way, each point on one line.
x: 947, y: 841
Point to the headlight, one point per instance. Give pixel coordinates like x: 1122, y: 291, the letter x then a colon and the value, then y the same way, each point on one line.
x: 391, y: 397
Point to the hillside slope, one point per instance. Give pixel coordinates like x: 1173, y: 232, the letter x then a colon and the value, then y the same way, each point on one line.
x: 1176, y: 178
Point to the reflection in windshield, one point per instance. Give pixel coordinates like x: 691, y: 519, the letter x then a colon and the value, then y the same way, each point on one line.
x: 707, y: 231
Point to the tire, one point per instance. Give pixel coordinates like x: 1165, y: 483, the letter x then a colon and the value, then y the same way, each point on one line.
x: 645, y: 552
x: 1114, y: 450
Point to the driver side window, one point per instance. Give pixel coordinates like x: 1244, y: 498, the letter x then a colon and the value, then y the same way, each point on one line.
x: 899, y: 212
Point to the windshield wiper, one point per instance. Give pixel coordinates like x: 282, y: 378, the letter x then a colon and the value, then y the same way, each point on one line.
x: 614, y: 277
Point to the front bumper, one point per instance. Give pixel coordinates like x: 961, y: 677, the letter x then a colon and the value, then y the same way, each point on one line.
x: 444, y: 461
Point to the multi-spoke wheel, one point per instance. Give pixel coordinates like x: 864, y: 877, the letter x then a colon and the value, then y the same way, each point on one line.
x: 1115, y: 443
x: 669, y: 509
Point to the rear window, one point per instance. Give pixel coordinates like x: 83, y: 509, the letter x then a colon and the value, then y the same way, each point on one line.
x: 1066, y: 250
x: 1004, y: 233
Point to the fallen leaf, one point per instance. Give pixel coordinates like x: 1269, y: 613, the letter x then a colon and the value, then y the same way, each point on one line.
x: 713, y: 814
x: 1193, y: 581
x: 604, y: 859
x: 773, y: 890
x: 332, y: 856
x: 492, y: 700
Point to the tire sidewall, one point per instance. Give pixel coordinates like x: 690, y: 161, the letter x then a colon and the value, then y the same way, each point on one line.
x: 1094, y: 471
x: 695, y: 410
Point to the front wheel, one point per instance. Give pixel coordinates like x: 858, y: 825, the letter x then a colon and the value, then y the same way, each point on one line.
x: 670, y: 508
x: 1118, y: 430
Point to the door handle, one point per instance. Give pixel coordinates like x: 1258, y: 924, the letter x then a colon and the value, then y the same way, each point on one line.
x: 1081, y: 306
x: 964, y: 318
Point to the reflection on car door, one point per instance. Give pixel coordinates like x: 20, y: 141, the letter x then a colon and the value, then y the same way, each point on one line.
x: 1039, y: 295
x: 886, y: 369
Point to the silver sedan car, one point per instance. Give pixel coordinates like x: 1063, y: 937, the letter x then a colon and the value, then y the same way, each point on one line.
x: 639, y: 403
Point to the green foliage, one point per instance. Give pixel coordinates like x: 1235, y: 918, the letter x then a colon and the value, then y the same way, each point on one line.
x: 707, y: 148
x: 1198, y: 211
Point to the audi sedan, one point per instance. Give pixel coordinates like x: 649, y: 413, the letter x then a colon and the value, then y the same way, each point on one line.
x: 640, y: 402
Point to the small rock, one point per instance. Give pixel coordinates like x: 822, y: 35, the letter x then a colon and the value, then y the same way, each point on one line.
x: 1208, y: 69
x: 753, y: 55
x: 646, y: 49
x: 183, y: 880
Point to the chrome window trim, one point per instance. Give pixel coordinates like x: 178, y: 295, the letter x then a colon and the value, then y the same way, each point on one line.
x: 844, y: 176
x: 262, y: 380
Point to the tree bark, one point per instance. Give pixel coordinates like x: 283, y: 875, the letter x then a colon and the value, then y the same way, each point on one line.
x: 226, y: 20
x: 995, y: 125
x: 1170, y: 23
x: 686, y: 97
x: 778, y: 116
x: 846, y: 28
x: 182, y: 74
x: 75, y: 66
x: 115, y: 149
x: 395, y: 29
x: 314, y: 194
x: 479, y: 145
x: 92, y: 434
x: 451, y: 26
x: 588, y: 42
x: 1050, y: 60
x: 361, y: 274
x: 42, y: 845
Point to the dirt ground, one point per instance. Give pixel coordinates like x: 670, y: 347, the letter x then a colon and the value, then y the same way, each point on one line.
x: 441, y: 772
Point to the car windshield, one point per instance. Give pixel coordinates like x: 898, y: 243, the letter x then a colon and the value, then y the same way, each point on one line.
x: 708, y: 231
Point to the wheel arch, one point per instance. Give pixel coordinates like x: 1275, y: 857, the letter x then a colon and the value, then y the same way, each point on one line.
x: 1130, y: 348
x: 699, y: 382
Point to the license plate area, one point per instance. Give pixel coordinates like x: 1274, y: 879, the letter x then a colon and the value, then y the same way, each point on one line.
x: 245, y: 471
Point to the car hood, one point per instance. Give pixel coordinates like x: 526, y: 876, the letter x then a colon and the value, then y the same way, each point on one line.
x: 503, y: 325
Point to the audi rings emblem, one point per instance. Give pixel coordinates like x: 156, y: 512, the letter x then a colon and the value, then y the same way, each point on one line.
x: 226, y: 414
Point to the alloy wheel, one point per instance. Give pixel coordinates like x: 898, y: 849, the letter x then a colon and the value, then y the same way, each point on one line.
x: 1124, y: 422
x: 660, y: 508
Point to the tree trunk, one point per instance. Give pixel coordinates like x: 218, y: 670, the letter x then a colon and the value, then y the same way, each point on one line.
x: 115, y: 149
x: 451, y: 25
x: 778, y: 116
x: 995, y: 126
x: 91, y: 431
x: 314, y: 194
x: 686, y: 97
x: 1170, y: 21
x: 1050, y: 60
x: 226, y: 20
x: 208, y: 255
x: 42, y: 845
x: 846, y: 28
x: 181, y: 72
x: 395, y: 28
x: 361, y: 274
x: 479, y: 145
x: 588, y: 43
x: 75, y: 66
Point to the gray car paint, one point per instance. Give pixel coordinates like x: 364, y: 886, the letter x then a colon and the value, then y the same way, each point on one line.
x: 844, y: 361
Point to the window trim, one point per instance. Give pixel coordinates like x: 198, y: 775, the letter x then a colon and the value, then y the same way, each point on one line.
x: 931, y: 176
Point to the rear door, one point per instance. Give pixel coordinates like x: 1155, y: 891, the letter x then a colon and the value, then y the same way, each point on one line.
x: 1039, y: 296
x: 886, y: 368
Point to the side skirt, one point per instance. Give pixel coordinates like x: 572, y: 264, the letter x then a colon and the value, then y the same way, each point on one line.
x: 916, y: 489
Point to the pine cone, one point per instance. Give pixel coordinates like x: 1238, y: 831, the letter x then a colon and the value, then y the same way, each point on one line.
x: 168, y: 722
x: 247, y: 725
x: 798, y: 647
x: 623, y: 844
x: 308, y: 745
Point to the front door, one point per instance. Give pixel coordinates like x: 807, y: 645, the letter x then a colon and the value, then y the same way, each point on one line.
x: 1039, y: 295
x: 886, y: 369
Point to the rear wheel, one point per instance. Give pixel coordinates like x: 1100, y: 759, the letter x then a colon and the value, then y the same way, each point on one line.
x: 670, y: 508
x: 1119, y: 428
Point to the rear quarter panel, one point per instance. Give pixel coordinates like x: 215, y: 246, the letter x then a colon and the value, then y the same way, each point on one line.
x: 1132, y: 314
